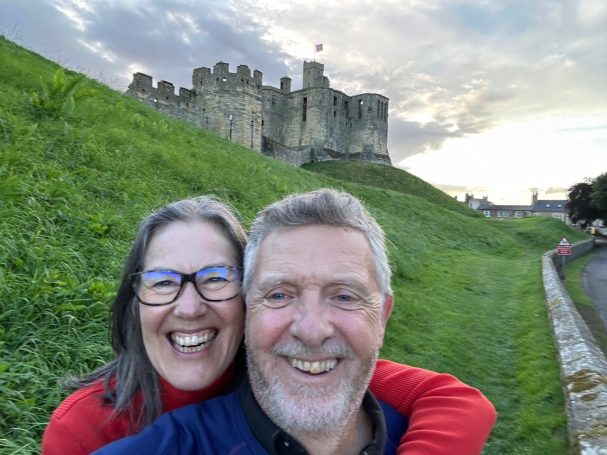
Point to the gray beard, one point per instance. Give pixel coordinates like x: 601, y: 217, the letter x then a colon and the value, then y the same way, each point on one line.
x: 298, y: 408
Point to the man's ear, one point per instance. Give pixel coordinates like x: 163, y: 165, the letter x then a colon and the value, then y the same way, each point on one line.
x: 387, y: 310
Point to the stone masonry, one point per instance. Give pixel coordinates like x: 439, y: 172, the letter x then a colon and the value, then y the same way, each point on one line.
x: 312, y: 124
x: 583, y: 365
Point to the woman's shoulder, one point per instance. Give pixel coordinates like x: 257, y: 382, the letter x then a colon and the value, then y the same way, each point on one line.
x: 88, y: 398
x: 82, y: 423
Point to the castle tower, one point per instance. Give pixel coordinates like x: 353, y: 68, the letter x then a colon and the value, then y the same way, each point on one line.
x: 230, y: 103
x: 369, y: 136
x: 313, y: 75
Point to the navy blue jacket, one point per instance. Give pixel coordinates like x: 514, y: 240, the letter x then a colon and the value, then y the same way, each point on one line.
x: 219, y: 426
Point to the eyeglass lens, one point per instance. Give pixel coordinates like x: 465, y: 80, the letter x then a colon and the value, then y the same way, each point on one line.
x: 158, y: 287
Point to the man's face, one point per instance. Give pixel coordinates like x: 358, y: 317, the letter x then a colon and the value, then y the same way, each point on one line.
x: 314, y: 325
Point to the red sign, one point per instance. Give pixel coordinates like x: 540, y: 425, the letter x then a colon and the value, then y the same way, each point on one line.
x: 563, y: 250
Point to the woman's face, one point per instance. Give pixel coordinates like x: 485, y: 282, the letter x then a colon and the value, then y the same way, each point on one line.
x: 191, y: 342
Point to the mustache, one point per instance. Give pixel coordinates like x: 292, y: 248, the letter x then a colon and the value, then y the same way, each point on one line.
x: 330, y: 348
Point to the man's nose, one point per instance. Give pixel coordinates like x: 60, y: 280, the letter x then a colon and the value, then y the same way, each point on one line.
x: 190, y: 304
x: 312, y: 319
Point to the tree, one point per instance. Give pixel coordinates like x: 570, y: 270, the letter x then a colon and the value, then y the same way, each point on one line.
x: 598, y: 196
x: 579, y: 208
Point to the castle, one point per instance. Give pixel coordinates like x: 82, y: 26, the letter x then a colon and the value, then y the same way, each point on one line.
x: 311, y: 124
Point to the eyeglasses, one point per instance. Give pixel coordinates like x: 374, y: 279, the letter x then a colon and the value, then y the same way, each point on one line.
x: 162, y: 287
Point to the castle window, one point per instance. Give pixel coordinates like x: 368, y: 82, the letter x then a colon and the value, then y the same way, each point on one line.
x: 360, y: 108
x: 282, y: 85
x: 224, y: 78
x: 379, y: 108
x: 346, y: 112
x: 304, y: 109
x: 334, y: 101
x: 334, y: 113
x: 369, y: 109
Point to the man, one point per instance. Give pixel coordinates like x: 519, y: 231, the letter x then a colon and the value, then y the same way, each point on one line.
x: 318, y: 300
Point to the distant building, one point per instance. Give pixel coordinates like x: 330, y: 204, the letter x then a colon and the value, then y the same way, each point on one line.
x: 539, y: 207
x: 504, y: 212
x: 474, y: 203
x: 314, y: 123
x: 554, y: 208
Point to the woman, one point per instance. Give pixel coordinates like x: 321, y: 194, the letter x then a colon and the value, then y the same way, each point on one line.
x: 178, y: 344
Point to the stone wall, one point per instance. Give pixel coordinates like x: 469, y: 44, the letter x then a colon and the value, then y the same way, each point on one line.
x: 294, y: 156
x: 583, y: 364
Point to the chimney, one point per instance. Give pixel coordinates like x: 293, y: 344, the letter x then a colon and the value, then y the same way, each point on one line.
x: 534, y: 197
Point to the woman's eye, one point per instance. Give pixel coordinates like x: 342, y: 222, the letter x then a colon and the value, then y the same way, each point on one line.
x: 165, y: 283
x: 215, y: 279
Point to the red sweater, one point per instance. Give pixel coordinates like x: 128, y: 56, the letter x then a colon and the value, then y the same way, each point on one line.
x: 445, y: 415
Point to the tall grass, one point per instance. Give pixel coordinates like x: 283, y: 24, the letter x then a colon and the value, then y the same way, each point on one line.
x: 74, y: 187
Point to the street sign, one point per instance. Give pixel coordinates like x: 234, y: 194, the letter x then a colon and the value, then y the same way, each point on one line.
x: 564, y: 247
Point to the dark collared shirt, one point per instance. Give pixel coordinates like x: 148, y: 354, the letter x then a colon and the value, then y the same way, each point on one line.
x: 278, y: 442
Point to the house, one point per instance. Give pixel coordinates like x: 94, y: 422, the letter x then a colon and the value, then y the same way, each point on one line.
x: 539, y: 207
x: 504, y: 212
x: 473, y: 202
x: 554, y: 208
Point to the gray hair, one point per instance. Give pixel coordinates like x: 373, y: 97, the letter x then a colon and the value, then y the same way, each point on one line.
x: 321, y: 207
x: 132, y: 370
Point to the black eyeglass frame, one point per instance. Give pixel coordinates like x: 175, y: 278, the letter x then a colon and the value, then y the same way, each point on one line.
x: 185, y: 278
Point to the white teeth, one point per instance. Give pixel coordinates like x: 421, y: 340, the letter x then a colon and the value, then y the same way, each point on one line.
x: 192, y: 343
x: 314, y: 367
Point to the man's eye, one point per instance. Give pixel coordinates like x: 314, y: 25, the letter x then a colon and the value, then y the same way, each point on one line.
x: 346, y: 301
x: 277, y: 299
x: 277, y: 296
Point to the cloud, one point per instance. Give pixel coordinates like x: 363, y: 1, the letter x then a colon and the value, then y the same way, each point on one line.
x: 452, y: 69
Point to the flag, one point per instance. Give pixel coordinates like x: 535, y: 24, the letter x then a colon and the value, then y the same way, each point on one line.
x: 318, y: 47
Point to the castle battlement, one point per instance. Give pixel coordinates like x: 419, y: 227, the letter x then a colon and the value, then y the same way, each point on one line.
x: 313, y: 123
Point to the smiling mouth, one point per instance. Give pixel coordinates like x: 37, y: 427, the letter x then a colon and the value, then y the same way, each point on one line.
x: 192, y: 342
x: 313, y: 367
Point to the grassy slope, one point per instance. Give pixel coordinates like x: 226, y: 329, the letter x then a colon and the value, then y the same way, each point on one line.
x: 468, y: 296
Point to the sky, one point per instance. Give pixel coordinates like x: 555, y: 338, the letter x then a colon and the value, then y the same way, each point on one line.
x: 497, y: 98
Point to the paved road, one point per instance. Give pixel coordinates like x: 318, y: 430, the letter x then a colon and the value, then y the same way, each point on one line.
x: 595, y: 281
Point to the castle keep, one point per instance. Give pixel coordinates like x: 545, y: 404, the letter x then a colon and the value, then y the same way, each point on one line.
x: 311, y: 124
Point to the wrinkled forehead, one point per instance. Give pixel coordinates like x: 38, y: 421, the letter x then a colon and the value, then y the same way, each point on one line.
x: 337, y: 252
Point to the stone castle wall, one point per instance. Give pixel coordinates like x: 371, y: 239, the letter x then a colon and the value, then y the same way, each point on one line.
x: 311, y: 124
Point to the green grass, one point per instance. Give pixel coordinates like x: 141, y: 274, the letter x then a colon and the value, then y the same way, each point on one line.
x: 573, y: 279
x: 74, y: 186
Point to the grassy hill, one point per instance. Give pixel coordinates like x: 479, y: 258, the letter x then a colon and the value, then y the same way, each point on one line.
x: 80, y: 165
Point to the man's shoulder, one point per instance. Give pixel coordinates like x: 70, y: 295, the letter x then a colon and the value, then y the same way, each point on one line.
x: 217, y: 425
x: 396, y: 427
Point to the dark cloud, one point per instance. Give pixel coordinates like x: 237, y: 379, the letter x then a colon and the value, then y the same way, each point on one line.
x: 556, y: 190
x: 151, y: 36
x: 410, y: 138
